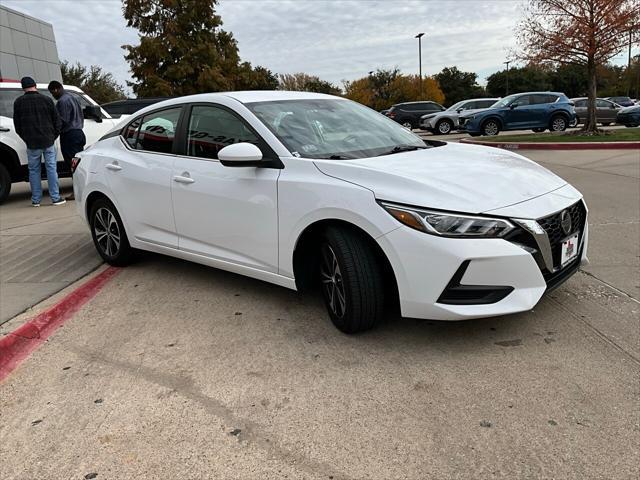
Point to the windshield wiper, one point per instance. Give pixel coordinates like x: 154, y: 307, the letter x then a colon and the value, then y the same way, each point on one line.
x: 402, y: 148
x: 339, y: 157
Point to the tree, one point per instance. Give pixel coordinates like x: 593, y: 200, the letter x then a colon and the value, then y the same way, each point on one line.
x: 98, y: 84
x: 582, y: 32
x: 303, y: 82
x: 524, y: 79
x: 458, y: 85
x: 383, y: 88
x: 183, y: 50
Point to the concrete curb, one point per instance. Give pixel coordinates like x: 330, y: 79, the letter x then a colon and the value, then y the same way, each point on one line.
x: 17, y: 345
x: 556, y: 146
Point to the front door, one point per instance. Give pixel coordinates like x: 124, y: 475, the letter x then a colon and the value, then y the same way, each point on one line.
x: 224, y: 213
x: 140, y: 178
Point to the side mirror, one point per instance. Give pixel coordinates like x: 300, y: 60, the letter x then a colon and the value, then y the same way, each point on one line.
x: 92, y: 112
x: 512, y: 106
x: 459, y: 109
x: 240, y: 155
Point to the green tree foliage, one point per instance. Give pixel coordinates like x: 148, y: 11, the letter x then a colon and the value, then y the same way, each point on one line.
x: 303, y: 82
x: 524, y: 79
x: 458, y: 85
x: 95, y: 82
x: 183, y: 50
x: 384, y: 88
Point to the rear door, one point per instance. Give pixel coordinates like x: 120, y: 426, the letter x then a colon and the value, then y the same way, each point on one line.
x: 140, y: 177
x: 228, y: 214
x: 606, y: 111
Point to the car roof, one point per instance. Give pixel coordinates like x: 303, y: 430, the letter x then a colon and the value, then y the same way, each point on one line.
x: 417, y: 101
x: 587, y: 98
x: 539, y: 93
x: 134, y: 101
x: 39, y: 86
x: 483, y: 98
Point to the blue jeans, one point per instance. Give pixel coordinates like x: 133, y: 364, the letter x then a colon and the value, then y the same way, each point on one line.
x: 35, y: 173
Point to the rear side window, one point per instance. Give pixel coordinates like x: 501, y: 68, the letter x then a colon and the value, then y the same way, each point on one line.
x: 158, y: 131
x: 485, y: 103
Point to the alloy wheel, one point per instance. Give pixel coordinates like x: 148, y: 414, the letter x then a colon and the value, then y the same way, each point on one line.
x: 105, y: 227
x: 332, y: 282
x: 407, y: 125
x: 444, y: 127
x: 559, y: 124
x: 491, y: 128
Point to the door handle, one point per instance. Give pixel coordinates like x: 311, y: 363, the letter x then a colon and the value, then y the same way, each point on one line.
x: 4, y: 129
x: 113, y: 166
x: 184, y: 178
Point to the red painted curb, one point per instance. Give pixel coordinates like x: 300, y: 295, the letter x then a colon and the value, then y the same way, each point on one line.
x: 557, y: 146
x: 19, y: 344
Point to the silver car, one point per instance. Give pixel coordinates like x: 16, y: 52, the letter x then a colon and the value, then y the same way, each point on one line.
x: 606, y: 111
x: 442, y: 123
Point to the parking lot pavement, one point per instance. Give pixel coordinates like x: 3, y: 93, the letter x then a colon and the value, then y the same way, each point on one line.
x: 42, y: 250
x: 176, y: 370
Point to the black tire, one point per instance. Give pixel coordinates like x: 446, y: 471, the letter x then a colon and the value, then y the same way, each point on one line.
x: 408, y: 124
x: 109, y: 236
x: 474, y: 134
x: 606, y: 124
x: 558, y: 123
x: 538, y: 130
x: 5, y: 183
x: 491, y: 127
x: 351, y: 280
x: 444, y: 124
x: 632, y: 126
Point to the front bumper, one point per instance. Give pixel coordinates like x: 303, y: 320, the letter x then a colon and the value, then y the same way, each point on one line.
x: 496, y: 276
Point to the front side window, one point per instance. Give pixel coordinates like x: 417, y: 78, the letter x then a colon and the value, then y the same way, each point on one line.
x: 213, y: 128
x: 506, y: 101
x: 333, y: 129
x: 158, y: 131
x: 485, y: 103
x: 8, y: 97
x: 130, y: 134
x: 581, y: 104
x: 523, y: 101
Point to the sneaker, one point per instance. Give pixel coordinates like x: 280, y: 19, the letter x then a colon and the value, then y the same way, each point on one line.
x: 62, y: 201
x: 33, y: 204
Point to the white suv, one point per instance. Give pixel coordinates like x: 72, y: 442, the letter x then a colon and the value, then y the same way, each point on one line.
x: 13, y: 151
x: 302, y: 189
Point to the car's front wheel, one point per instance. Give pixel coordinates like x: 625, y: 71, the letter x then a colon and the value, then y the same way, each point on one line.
x: 407, y: 124
x: 558, y: 123
x: 5, y: 183
x: 352, y: 281
x: 444, y: 127
x: 109, y: 236
x: 490, y: 127
x: 538, y: 130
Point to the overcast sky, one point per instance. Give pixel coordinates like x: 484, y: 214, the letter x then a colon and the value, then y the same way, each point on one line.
x: 334, y: 39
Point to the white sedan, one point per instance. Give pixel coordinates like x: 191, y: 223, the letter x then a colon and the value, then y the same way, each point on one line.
x: 304, y: 190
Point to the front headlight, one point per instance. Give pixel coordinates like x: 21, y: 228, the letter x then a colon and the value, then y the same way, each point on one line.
x: 449, y: 224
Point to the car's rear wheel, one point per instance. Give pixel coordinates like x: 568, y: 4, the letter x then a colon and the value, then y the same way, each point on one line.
x: 5, y: 183
x: 109, y: 236
x: 444, y: 127
x: 538, y: 130
x: 558, y: 123
x: 490, y: 127
x: 606, y: 124
x: 407, y: 124
x: 352, y: 281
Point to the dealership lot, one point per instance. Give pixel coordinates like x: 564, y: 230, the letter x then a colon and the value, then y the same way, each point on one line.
x: 176, y: 370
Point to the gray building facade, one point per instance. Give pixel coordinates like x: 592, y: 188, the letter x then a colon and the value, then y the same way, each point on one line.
x: 27, y: 48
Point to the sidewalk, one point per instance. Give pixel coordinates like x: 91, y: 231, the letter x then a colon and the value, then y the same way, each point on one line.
x: 42, y: 250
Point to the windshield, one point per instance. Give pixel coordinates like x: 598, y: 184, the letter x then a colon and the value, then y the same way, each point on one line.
x: 455, y: 106
x: 504, y: 102
x: 328, y: 128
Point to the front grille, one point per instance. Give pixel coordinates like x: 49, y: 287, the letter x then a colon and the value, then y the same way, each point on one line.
x: 552, y: 226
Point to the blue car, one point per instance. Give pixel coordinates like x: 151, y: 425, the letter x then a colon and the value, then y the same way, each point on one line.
x: 533, y: 110
x: 629, y: 116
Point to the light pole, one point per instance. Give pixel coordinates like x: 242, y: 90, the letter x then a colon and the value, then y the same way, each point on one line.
x: 419, y: 37
x: 507, y: 64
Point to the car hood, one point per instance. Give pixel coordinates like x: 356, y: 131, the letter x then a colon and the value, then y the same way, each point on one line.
x: 456, y: 177
x: 633, y: 109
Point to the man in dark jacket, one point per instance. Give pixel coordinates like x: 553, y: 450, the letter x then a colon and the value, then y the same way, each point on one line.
x: 72, y: 139
x: 37, y: 123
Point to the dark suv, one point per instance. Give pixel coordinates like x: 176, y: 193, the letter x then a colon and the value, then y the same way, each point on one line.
x: 534, y: 110
x: 408, y: 114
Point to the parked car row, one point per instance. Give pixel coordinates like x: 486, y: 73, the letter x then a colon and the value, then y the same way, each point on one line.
x: 538, y: 111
